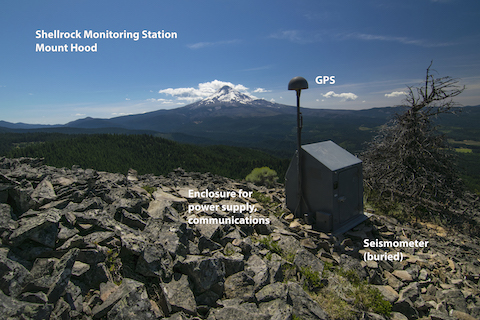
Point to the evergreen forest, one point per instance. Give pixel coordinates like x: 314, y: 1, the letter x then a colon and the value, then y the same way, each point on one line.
x: 144, y: 153
x: 150, y: 154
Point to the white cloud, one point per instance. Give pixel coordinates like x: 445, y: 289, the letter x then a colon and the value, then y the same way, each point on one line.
x: 128, y: 99
x: 298, y: 36
x: 122, y: 113
x: 291, y: 35
x: 403, y: 40
x: 204, y: 90
x: 261, y: 90
x: 200, y: 45
x: 394, y: 94
x: 346, y: 96
x: 164, y: 101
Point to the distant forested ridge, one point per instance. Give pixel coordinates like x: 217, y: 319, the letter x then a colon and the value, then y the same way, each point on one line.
x: 144, y: 153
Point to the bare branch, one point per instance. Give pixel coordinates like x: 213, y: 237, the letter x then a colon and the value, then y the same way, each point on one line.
x: 409, y: 162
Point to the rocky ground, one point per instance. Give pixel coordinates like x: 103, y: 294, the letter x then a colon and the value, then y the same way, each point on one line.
x: 82, y: 244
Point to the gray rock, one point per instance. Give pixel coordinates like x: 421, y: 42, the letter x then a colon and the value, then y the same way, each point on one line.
x: 87, y: 204
x: 13, y: 276
x: 411, y: 292
x: 303, y: 305
x: 132, y: 204
x: 275, y: 266
x: 272, y: 291
x: 65, y: 232
x: 179, y: 204
x: 288, y: 244
x: 61, y: 275
x: 208, y: 298
x: 260, y: 269
x: 233, y: 235
x: 233, y: 263
x: 79, y: 268
x: 130, y: 219
x: 406, y: 307
x: 179, y: 295
x: 21, y: 197
x: 423, y: 275
x: 403, y: 275
x: 177, y: 316
x: 205, y: 243
x: 305, y: 259
x: 461, y: 315
x: 238, y: 312
x: 4, y: 188
x: 453, y: 298
x: 14, y: 309
x: 155, y: 261
x: 43, y: 193
x: 392, y: 281
x: 42, y: 267
x: 388, y: 293
x: 98, y: 238
x: 42, y: 228
x: 174, y: 241
x: 438, y: 315
x: 398, y: 316
x: 7, y: 223
x: 278, y: 309
x: 96, y: 275
x: 128, y: 286
x: 91, y: 256
x: 205, y: 272
x: 134, y: 243
x: 240, y: 285
x: 133, y: 304
x: 62, y: 310
x: 34, y: 297
x: 211, y: 231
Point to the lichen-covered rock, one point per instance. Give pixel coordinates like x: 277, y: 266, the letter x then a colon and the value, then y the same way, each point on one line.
x: 41, y: 227
x: 15, y: 309
x: 13, y: 276
x: 240, y: 285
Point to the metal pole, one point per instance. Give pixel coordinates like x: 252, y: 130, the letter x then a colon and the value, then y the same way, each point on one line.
x: 297, y: 84
x: 299, y: 146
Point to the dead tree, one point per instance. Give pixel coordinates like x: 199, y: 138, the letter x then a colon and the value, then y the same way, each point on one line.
x: 409, y: 164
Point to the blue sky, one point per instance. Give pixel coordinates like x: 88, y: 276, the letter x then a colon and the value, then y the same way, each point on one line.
x: 374, y: 48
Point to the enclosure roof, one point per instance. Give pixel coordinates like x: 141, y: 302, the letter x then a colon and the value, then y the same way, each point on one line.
x: 331, y: 155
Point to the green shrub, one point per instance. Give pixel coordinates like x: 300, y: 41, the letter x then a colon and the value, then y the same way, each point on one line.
x: 271, y: 245
x: 313, y: 279
x: 149, y: 189
x: 263, y: 176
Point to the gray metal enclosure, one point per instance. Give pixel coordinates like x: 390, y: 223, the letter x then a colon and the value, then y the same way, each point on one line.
x: 332, y: 184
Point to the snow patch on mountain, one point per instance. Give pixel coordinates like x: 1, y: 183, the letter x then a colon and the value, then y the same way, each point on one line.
x: 227, y: 94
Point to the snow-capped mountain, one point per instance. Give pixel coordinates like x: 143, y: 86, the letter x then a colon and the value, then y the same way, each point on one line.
x: 228, y: 96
